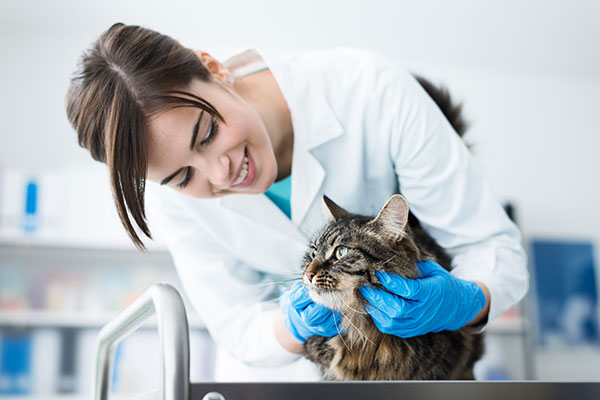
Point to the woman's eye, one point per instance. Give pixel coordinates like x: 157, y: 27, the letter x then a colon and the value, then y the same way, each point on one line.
x: 213, y: 128
x: 186, y: 178
x: 340, y: 252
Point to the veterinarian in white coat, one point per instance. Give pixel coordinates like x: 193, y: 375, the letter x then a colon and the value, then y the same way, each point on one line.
x: 209, y: 139
x: 363, y: 129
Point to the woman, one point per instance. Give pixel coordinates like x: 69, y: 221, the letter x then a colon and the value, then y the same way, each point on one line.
x: 213, y: 137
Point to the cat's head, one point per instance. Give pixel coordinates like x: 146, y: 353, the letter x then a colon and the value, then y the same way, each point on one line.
x: 346, y: 254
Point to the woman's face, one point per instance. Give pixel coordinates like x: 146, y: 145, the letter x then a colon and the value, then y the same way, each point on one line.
x: 200, y: 156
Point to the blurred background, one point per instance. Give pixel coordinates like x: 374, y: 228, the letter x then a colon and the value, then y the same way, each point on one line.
x: 527, y: 72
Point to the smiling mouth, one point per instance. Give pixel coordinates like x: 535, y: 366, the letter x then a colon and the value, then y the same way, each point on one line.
x: 243, y: 173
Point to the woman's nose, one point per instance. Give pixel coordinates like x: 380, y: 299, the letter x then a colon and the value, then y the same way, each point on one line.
x: 218, y: 171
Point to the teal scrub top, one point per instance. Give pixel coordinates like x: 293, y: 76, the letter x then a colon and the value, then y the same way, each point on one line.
x: 279, y: 193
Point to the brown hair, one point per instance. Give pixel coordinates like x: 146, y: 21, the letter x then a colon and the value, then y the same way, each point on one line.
x: 130, y: 74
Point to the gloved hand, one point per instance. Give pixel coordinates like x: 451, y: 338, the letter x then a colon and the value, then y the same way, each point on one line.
x: 436, y: 302
x: 304, y: 318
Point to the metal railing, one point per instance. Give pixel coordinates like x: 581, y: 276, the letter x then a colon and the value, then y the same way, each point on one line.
x: 164, y: 301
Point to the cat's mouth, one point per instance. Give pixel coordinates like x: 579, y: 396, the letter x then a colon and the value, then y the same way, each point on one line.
x: 320, y: 280
x: 330, y: 298
x: 330, y: 293
x: 321, y: 288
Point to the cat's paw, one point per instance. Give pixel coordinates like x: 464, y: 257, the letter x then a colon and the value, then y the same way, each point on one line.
x: 317, y: 350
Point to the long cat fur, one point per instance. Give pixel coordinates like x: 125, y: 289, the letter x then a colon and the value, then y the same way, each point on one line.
x: 362, y: 352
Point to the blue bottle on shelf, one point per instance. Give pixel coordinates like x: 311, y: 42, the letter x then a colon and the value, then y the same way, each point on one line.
x: 15, y: 363
x: 31, y: 218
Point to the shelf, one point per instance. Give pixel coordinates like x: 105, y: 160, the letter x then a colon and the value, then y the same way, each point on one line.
x: 80, y: 320
x: 36, y: 253
x: 48, y: 319
x: 26, y: 241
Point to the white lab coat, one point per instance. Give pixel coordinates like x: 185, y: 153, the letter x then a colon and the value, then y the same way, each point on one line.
x: 363, y: 130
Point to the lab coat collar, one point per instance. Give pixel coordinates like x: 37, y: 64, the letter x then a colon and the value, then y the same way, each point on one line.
x: 259, y: 209
x: 314, y: 126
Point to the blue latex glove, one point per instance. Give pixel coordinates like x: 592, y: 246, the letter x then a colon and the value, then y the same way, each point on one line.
x: 436, y: 302
x: 304, y: 318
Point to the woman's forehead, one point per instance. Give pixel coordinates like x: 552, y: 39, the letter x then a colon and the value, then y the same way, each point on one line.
x: 168, y: 135
x: 170, y: 124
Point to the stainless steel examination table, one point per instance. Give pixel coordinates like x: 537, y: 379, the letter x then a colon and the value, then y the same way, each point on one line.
x: 164, y: 301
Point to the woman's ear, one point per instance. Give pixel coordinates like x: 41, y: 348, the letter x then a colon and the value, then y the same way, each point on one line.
x: 216, y: 68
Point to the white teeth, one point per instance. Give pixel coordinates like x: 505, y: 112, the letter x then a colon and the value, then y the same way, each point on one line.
x: 243, y: 173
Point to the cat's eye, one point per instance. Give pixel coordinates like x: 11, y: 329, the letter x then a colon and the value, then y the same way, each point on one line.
x: 313, y: 253
x: 340, y: 252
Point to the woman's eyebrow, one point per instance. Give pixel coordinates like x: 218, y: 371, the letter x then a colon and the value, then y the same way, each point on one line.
x: 195, y: 131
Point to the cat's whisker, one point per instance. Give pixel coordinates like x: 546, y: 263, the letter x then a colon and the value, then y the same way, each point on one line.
x: 357, y: 330
x: 274, y: 301
x: 353, y: 309
x: 346, y: 317
x: 389, y: 259
x: 274, y: 282
x: 338, y: 329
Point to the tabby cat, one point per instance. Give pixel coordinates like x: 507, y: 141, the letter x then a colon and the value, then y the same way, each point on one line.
x: 343, y: 258
x: 391, y: 242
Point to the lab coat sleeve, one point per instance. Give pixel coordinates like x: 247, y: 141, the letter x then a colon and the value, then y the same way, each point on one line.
x: 447, y: 192
x: 237, y: 303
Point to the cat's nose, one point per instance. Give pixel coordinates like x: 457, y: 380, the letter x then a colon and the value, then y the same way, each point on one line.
x: 309, y: 275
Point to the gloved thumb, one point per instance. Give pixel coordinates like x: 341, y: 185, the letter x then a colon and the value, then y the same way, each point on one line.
x: 429, y: 268
x: 397, y: 284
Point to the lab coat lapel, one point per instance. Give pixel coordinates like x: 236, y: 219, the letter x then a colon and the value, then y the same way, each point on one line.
x: 259, y: 209
x: 314, y: 125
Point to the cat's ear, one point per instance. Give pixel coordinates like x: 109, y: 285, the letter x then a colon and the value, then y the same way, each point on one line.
x: 394, y: 215
x: 335, y: 212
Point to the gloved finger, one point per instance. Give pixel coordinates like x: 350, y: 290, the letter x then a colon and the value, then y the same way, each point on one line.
x: 329, y: 327
x: 332, y: 326
x: 408, y: 288
x: 403, y: 327
x: 299, y: 297
x: 336, y: 320
x: 379, y: 326
x: 337, y: 317
x: 408, y: 333
x: 287, y: 299
x: 316, y: 314
x: 381, y: 320
x: 429, y: 268
x: 388, y: 325
x: 425, y: 319
x: 386, y: 302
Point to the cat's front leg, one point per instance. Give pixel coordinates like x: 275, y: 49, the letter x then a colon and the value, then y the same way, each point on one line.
x: 318, y: 350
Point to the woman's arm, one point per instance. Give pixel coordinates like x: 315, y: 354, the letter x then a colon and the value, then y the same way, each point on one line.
x: 482, y: 316
x: 239, y: 313
x: 448, y: 193
x: 285, y: 339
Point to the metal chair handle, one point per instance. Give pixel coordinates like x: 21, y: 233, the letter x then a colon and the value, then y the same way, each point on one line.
x: 164, y: 301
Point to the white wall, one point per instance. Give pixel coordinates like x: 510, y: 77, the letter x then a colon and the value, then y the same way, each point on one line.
x: 528, y: 72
